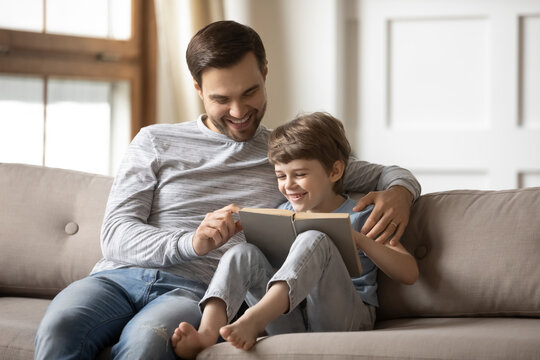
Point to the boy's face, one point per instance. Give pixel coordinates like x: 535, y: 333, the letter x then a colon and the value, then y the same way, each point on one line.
x: 308, y: 186
x: 234, y: 98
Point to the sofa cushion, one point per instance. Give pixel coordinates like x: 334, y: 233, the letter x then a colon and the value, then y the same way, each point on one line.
x: 436, y: 338
x: 50, y: 221
x: 477, y: 252
x: 19, y: 321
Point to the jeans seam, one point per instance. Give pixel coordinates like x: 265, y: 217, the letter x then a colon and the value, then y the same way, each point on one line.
x: 309, y: 254
x: 87, y: 337
x: 148, y: 290
x: 128, y: 297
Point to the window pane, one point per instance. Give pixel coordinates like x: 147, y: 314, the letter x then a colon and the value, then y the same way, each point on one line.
x: 121, y: 122
x: 94, y: 18
x: 86, y: 125
x: 120, y: 19
x: 78, y: 125
x: 26, y: 15
x: 21, y: 123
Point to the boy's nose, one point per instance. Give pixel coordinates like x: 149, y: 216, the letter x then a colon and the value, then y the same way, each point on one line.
x: 290, y: 183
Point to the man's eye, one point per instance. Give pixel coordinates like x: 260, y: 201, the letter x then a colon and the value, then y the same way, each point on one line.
x: 220, y: 99
x: 251, y: 92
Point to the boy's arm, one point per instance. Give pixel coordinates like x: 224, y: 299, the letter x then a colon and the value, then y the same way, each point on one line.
x: 395, y: 191
x: 394, y: 260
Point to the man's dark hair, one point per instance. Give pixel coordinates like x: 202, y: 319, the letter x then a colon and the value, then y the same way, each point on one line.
x: 222, y: 44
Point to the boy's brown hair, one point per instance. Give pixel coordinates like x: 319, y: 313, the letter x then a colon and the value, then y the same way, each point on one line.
x: 317, y: 136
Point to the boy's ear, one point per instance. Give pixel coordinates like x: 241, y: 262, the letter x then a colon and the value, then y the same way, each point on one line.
x: 337, y: 171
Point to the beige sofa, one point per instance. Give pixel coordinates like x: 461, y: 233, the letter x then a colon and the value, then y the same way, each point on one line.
x: 478, y: 295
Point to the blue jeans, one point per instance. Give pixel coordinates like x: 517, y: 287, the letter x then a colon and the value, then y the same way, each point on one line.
x: 322, y: 296
x: 133, y: 310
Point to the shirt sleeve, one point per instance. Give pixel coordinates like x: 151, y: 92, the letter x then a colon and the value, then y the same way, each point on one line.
x: 363, y: 177
x: 126, y: 236
x: 359, y: 218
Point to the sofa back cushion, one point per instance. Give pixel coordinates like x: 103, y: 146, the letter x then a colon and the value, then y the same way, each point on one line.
x: 477, y: 252
x: 50, y: 221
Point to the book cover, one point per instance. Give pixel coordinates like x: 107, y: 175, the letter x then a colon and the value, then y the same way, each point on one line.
x: 274, y: 230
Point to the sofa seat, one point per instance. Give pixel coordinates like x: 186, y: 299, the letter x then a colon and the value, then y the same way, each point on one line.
x: 19, y: 319
x: 415, y: 338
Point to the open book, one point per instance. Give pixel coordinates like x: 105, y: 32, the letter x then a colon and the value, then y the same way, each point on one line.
x: 274, y: 230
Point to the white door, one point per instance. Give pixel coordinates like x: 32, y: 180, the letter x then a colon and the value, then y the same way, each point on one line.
x: 450, y: 90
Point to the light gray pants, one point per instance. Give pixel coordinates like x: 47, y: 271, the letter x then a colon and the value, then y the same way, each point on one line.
x: 313, y: 270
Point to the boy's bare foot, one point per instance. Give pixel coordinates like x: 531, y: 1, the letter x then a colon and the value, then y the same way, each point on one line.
x: 243, y: 333
x: 188, y: 342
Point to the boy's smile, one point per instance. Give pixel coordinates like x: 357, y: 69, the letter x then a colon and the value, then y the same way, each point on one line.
x: 308, y: 186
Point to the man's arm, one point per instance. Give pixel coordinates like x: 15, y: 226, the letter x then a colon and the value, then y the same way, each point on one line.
x: 126, y: 236
x: 391, y: 190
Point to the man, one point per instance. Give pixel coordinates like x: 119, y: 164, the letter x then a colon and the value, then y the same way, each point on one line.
x: 159, y: 248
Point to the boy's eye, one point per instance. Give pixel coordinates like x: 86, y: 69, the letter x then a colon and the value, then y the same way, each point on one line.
x: 300, y: 174
x: 280, y: 177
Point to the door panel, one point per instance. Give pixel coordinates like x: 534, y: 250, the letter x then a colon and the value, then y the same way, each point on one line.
x: 451, y: 90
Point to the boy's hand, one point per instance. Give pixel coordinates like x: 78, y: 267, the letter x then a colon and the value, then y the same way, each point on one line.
x: 216, y: 229
x: 390, y: 214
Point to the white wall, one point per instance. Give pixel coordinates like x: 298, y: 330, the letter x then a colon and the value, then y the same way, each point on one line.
x: 449, y: 90
x: 301, y: 38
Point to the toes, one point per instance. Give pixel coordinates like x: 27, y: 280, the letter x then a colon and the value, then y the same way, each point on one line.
x: 186, y: 328
x: 225, y: 332
x: 176, y: 337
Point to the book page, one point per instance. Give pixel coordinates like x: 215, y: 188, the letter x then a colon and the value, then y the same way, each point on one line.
x: 339, y: 230
x: 283, y: 212
x: 272, y: 234
x: 313, y: 215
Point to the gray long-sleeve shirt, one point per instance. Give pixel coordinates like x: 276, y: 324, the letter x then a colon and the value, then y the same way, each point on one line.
x: 174, y: 174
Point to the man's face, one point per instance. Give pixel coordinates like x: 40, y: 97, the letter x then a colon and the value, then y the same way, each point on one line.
x: 234, y: 98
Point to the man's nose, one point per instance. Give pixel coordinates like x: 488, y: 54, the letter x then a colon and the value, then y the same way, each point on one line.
x: 238, y: 109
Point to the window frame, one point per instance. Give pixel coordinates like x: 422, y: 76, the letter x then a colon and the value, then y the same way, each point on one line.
x: 87, y: 58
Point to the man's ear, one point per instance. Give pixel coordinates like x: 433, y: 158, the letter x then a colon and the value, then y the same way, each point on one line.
x: 197, y: 88
x: 265, y: 69
x: 337, y: 170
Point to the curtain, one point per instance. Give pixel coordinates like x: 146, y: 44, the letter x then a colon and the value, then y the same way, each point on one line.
x: 177, y: 22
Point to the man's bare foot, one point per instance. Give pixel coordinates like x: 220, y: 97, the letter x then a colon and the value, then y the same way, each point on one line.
x: 243, y: 333
x: 188, y: 342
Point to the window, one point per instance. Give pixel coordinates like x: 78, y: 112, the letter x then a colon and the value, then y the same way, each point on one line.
x: 75, y: 83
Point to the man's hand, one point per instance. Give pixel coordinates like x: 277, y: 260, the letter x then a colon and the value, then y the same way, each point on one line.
x: 216, y: 229
x: 390, y: 214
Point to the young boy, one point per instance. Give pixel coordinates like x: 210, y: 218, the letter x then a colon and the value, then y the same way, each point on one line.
x: 309, y: 155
